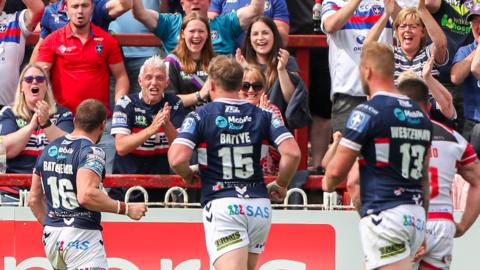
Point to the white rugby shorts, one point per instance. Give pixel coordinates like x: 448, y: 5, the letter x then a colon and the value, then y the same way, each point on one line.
x: 439, y: 235
x: 392, y: 235
x: 74, y: 248
x: 232, y: 223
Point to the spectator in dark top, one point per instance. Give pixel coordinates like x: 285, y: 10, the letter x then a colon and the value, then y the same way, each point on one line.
x: 55, y: 17
x: 31, y: 123
x: 14, y: 28
x: 188, y: 63
x: 275, y: 9
x: 225, y: 29
x: 262, y: 46
x: 144, y: 124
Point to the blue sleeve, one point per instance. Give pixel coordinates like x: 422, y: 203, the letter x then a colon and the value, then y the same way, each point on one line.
x: 93, y: 158
x: 65, y: 121
x: 8, y: 123
x: 100, y: 15
x: 216, y: 6
x: 277, y: 132
x: 178, y: 113
x: 168, y: 29
x: 461, y: 54
x: 292, y: 65
x: 189, y: 133
x: 280, y: 11
x: 356, y: 128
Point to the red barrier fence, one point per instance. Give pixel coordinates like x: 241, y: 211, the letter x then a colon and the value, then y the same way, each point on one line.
x: 301, y: 43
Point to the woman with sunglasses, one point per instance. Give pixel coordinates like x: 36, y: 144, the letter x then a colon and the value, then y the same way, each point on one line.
x: 263, y: 46
x: 253, y: 91
x: 189, y: 61
x: 31, y: 122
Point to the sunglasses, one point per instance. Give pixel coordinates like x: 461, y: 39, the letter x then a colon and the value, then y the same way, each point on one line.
x: 257, y: 86
x: 38, y: 79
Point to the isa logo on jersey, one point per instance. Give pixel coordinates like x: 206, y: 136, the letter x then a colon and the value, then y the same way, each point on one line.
x: 358, y: 121
x: 188, y: 126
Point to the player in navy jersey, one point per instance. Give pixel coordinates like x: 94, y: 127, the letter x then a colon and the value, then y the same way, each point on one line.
x: 450, y: 154
x: 65, y: 196
x: 391, y: 136
x: 144, y: 124
x: 228, y: 134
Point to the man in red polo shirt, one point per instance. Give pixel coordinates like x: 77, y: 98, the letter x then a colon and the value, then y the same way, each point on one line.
x: 79, y: 57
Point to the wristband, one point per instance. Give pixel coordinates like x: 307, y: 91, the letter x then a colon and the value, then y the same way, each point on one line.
x: 46, y: 125
x: 122, y: 208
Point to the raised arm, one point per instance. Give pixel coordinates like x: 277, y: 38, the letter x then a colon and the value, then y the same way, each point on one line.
x: 148, y: 17
x: 439, y: 92
x: 436, y: 34
x: 248, y: 13
x: 122, y: 84
x: 471, y: 174
x: 462, y: 69
x: 286, y: 84
x: 115, y: 8
x: 34, y: 13
x: 337, y: 20
x: 375, y: 32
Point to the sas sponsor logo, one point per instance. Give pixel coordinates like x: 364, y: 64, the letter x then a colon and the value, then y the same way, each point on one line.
x: 392, y: 250
x: 412, y: 221
x: 249, y: 211
x: 84, y: 245
x: 228, y: 240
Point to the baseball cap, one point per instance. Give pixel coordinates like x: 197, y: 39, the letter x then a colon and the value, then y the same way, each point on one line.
x: 475, y: 11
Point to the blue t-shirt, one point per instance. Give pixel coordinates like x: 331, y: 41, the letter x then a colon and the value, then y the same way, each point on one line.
x: 132, y: 115
x: 57, y: 166
x: 55, y: 17
x: 275, y: 9
x: 228, y: 134
x: 393, y: 136
x: 470, y: 86
x: 224, y: 30
x: 25, y: 161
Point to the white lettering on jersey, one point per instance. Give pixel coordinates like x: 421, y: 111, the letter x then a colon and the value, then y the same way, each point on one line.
x: 240, y: 138
x: 410, y: 133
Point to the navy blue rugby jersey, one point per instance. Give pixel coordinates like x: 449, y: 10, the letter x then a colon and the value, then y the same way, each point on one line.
x: 132, y: 115
x: 25, y: 161
x: 229, y: 134
x: 393, y: 136
x: 57, y: 166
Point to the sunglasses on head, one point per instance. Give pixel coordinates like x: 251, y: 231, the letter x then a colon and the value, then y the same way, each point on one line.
x: 257, y: 86
x: 38, y: 79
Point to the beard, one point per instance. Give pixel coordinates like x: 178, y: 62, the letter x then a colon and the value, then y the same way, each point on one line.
x: 365, y: 87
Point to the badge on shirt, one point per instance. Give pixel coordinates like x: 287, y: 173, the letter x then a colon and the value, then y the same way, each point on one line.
x: 214, y: 34
x: 99, y: 48
x: 3, y: 27
x: 358, y: 121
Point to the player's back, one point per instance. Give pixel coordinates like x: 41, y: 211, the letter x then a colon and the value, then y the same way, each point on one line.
x: 393, y: 136
x: 57, y: 166
x: 229, y: 134
x: 449, y: 151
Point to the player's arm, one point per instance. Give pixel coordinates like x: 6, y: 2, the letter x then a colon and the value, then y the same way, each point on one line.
x: 36, y: 199
x: 425, y: 181
x: 337, y: 136
x: 122, y: 84
x: 248, y: 13
x: 338, y: 168
x: 439, y: 92
x: 33, y: 14
x: 148, y: 17
x: 471, y: 174
x: 116, y: 8
x: 289, y: 158
x: 92, y: 198
x: 179, y: 157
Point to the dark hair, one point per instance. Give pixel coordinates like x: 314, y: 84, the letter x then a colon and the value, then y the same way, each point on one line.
x: 182, y: 51
x: 90, y: 115
x: 272, y: 60
x: 226, y: 73
x: 415, y: 89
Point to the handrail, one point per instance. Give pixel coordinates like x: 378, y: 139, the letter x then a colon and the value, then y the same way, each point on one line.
x: 314, y: 182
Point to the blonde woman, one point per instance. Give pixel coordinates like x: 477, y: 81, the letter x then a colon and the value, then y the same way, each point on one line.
x: 31, y: 122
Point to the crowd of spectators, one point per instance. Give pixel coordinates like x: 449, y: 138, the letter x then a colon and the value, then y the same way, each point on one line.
x: 150, y: 90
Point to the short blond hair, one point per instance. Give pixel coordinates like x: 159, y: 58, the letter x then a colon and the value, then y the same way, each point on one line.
x: 379, y: 57
x: 226, y: 73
